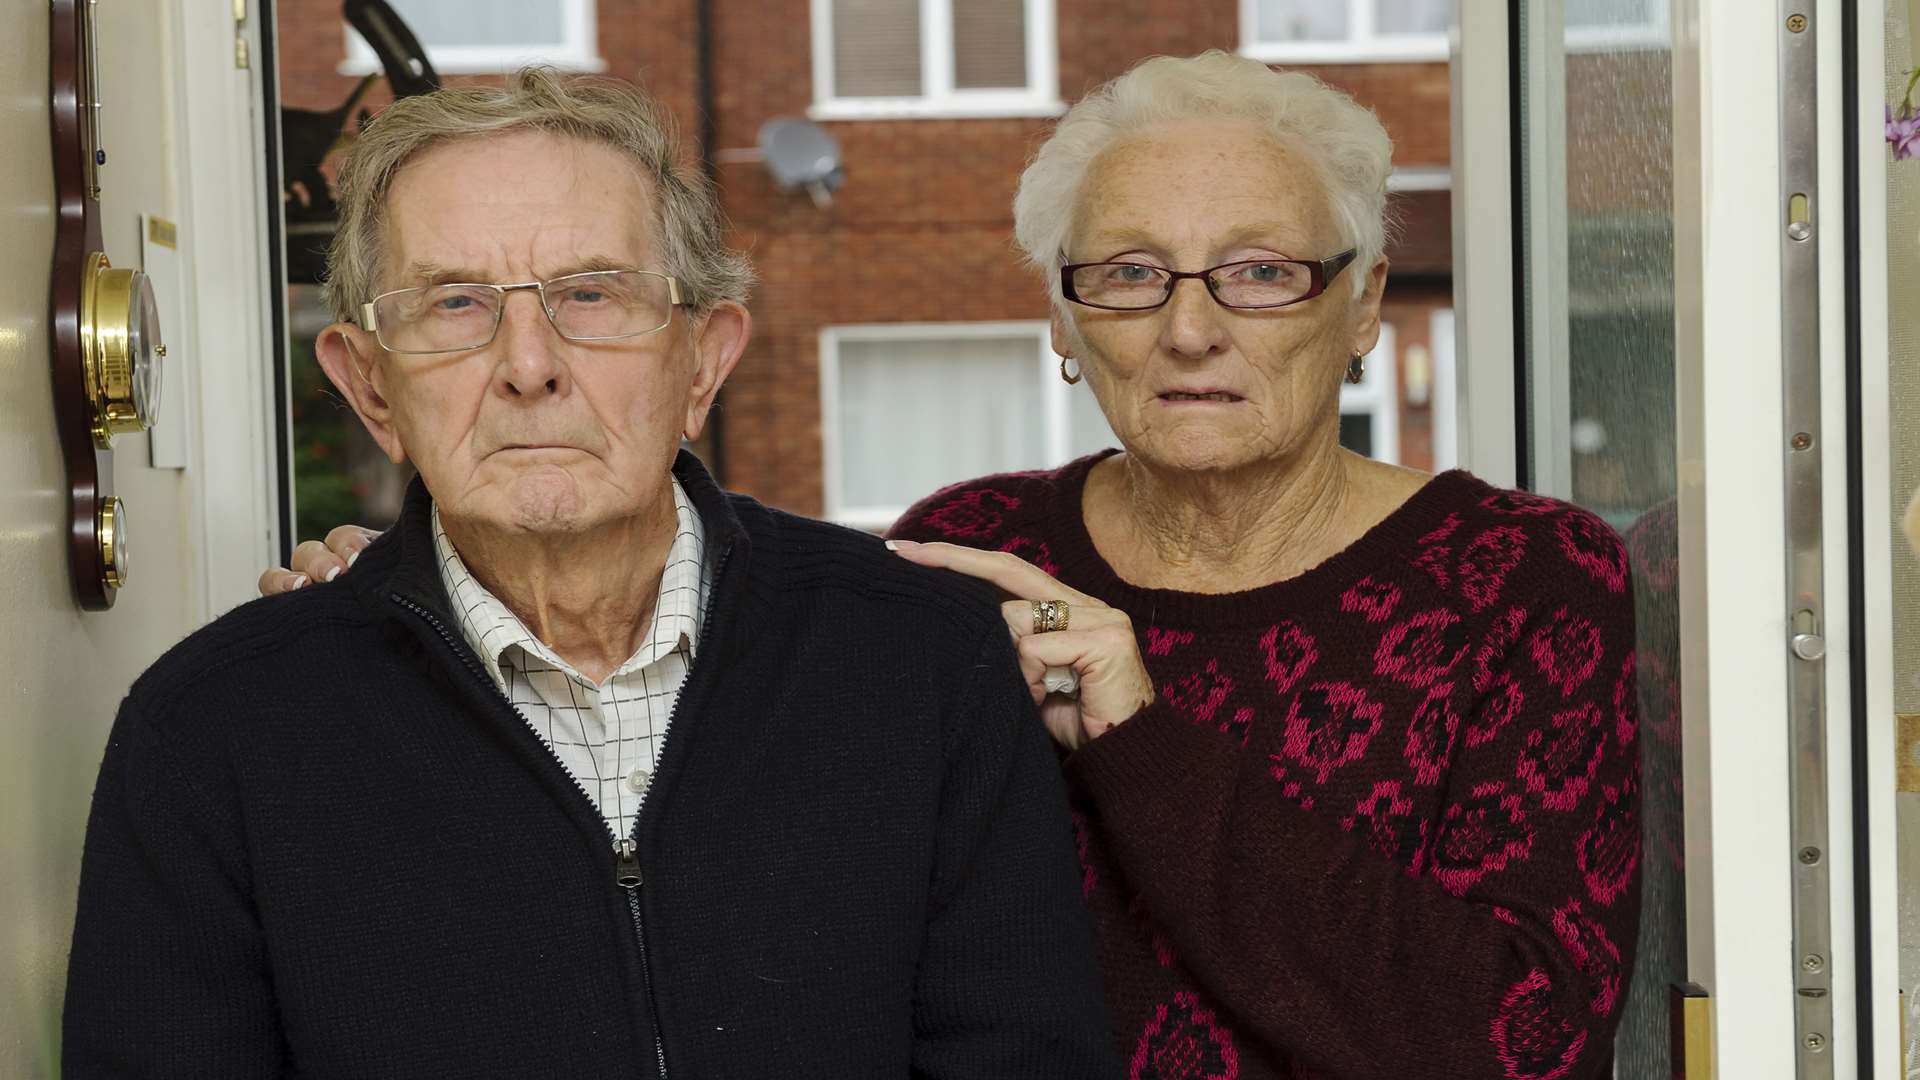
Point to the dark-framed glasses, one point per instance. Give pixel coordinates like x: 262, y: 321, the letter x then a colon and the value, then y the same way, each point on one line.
x: 1252, y: 283
x: 601, y: 305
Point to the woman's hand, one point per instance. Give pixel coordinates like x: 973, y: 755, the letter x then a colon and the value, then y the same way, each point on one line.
x: 1097, y: 643
x: 315, y: 561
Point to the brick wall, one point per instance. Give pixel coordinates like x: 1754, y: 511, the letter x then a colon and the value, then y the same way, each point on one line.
x: 918, y: 191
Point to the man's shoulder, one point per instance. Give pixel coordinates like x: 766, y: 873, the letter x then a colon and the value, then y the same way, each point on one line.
x: 270, y: 645
x: 803, y: 561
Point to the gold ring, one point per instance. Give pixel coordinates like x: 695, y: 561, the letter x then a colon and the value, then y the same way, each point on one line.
x: 1049, y: 615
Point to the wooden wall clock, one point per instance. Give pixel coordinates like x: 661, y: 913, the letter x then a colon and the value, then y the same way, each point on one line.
x: 105, y: 333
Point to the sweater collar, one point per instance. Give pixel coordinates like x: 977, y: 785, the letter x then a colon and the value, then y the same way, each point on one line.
x: 402, y: 563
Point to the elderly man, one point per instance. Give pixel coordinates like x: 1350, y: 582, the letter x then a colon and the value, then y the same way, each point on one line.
x: 589, y: 768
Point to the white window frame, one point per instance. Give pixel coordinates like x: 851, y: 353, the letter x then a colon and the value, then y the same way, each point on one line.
x: 1362, y: 46
x: 1655, y: 33
x: 939, y: 97
x: 1055, y: 405
x: 578, y: 50
x: 1377, y: 397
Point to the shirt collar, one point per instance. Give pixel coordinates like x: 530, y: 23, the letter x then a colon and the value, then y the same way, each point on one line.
x: 492, y: 629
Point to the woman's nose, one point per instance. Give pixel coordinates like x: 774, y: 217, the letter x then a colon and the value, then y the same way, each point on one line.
x: 1193, y: 319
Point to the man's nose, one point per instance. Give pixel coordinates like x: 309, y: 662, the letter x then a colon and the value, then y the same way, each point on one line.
x: 531, y: 361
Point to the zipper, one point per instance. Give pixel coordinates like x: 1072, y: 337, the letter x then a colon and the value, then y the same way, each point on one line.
x: 626, y: 853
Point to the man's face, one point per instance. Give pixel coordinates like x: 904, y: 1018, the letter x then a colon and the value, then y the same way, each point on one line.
x: 532, y: 432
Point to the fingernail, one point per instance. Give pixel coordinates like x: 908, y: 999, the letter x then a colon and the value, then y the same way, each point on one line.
x: 350, y: 559
x: 299, y: 580
x: 896, y: 545
x: 333, y: 573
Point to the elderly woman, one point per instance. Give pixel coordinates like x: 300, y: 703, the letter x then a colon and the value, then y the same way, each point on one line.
x: 1352, y: 749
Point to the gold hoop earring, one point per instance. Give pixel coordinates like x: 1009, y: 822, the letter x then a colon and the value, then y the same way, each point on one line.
x: 1357, y: 370
x: 1069, y: 379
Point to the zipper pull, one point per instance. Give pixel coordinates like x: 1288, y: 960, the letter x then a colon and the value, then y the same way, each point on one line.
x: 626, y: 857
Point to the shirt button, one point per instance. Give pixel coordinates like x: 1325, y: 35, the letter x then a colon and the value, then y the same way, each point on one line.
x: 637, y: 781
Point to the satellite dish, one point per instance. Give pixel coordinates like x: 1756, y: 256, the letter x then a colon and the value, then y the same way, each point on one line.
x: 800, y: 154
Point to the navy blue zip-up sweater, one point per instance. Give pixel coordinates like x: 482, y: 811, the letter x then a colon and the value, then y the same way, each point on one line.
x: 324, y: 845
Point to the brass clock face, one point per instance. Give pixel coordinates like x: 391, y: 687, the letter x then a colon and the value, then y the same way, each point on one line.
x: 119, y: 335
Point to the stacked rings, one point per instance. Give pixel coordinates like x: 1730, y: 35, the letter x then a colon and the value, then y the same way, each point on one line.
x: 1049, y: 615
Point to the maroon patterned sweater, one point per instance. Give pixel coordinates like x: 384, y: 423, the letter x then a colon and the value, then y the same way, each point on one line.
x: 1383, y: 819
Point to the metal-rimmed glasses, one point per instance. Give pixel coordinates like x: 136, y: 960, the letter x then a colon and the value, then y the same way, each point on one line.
x: 1251, y: 283
x: 600, y: 305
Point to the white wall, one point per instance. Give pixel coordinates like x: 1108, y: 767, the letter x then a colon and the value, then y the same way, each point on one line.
x: 62, y: 672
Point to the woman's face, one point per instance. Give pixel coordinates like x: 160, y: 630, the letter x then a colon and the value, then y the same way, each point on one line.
x: 1192, y: 385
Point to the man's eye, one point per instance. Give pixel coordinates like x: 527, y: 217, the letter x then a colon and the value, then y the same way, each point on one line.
x: 585, y: 296
x: 455, y: 304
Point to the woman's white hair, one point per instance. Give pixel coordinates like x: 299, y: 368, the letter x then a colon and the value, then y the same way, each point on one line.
x: 1342, y: 140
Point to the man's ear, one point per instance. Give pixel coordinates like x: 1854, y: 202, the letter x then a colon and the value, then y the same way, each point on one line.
x: 348, y: 354
x: 719, y: 338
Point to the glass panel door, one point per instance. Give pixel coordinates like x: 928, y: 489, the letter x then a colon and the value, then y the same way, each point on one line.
x: 1596, y: 156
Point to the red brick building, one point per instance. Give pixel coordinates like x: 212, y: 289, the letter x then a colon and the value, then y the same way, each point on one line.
x: 861, y: 391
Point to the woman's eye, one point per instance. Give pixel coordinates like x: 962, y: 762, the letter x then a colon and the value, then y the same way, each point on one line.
x: 1131, y: 274
x: 1261, y: 272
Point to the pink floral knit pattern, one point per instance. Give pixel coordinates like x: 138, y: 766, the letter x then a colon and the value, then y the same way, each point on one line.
x: 1383, y: 819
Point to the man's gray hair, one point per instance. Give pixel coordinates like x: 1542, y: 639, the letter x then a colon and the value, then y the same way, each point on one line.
x: 692, y: 245
x: 1342, y: 140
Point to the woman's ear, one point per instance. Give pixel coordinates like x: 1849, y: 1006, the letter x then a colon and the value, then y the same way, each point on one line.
x: 1366, y: 311
x: 349, y: 356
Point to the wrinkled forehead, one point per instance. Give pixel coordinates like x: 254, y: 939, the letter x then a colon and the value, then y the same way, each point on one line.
x: 517, y: 206
x: 1206, y: 185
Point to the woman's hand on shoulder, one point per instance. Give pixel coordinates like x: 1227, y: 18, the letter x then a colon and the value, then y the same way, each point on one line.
x: 315, y: 560
x: 1096, y: 642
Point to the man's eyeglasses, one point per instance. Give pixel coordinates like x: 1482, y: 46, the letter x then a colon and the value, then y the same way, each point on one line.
x: 598, y: 306
x: 1255, y: 283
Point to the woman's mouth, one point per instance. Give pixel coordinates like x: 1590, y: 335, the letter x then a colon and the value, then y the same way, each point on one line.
x: 1199, y: 395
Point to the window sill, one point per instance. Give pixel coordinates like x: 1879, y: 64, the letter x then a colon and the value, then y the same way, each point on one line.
x: 1340, y: 52
x: 924, y: 109
x: 483, y: 65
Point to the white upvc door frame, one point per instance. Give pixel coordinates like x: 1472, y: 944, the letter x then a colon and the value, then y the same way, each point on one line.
x: 219, y: 167
x: 1730, y: 215
x: 1876, y: 543
x: 1483, y: 245
x: 1732, y: 543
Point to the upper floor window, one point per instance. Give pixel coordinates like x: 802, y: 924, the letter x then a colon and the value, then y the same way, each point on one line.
x: 893, y: 58
x: 1363, y: 31
x: 1616, y: 25
x: 1345, y: 31
x: 491, y: 36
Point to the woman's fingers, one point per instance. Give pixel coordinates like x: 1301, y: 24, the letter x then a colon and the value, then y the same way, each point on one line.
x: 1113, y: 682
x: 348, y: 541
x: 317, y: 561
x: 1014, y: 575
x: 280, y: 580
